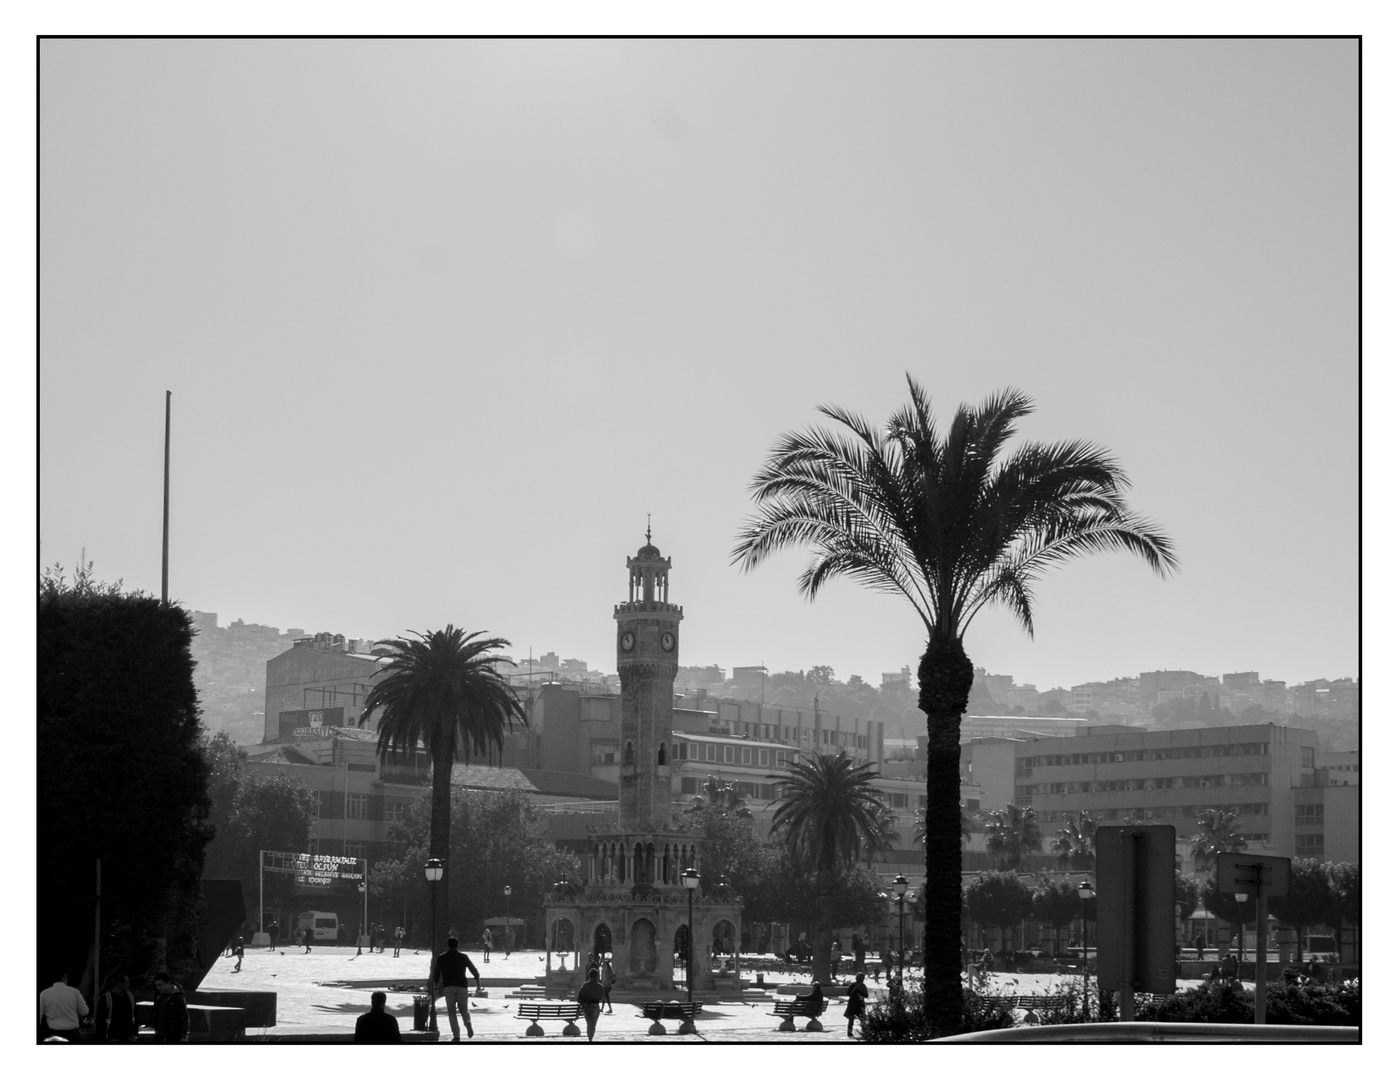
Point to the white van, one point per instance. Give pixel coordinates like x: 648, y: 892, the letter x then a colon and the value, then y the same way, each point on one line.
x: 325, y: 925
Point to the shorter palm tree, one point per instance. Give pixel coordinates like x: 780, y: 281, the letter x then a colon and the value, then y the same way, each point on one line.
x: 1076, y: 843
x: 826, y: 807
x: 1217, y: 836
x: 1011, y: 833
x: 714, y: 794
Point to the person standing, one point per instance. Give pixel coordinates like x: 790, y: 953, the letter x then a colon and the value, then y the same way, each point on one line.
x: 834, y: 958
x: 590, y: 997
x: 509, y: 941
x: 450, y: 972
x: 858, y: 945
x: 170, y: 1013
x: 377, y: 1026
x: 397, y: 940
x: 272, y: 934
x: 383, y: 938
x: 238, y: 952
x: 854, y: 1007
x: 608, y: 981
x: 1199, y: 946
x: 116, y: 1009
x: 61, y: 1009
x: 487, y: 939
x: 306, y: 939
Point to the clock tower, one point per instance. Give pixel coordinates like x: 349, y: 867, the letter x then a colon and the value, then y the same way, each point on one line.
x: 647, y: 660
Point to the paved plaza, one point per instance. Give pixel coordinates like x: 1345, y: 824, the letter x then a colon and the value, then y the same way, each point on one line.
x: 320, y: 994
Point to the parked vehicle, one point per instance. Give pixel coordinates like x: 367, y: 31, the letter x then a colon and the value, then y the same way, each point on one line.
x: 325, y: 925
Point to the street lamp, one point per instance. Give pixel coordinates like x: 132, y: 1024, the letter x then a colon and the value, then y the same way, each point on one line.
x: 433, y: 871
x: 359, y: 942
x: 691, y: 882
x: 509, y: 930
x: 1086, y: 891
x: 900, y: 886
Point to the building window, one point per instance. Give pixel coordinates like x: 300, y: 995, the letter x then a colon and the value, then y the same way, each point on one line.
x: 354, y: 849
x: 762, y: 757
x: 898, y: 800
x: 728, y: 755
x: 781, y: 758
x: 1310, y: 846
x: 357, y: 807
x: 396, y: 810
x: 1311, y: 815
x: 747, y: 755
x: 710, y: 752
x: 1308, y: 757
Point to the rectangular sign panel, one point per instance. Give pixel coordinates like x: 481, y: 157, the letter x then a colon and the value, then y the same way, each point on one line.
x: 292, y: 722
x: 320, y: 871
x: 1136, y: 908
x: 1244, y: 872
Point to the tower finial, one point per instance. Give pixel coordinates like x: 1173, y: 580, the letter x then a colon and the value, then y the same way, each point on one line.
x: 647, y: 528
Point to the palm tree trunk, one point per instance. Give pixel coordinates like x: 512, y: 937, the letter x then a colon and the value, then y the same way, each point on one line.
x: 944, y: 680
x: 825, y: 904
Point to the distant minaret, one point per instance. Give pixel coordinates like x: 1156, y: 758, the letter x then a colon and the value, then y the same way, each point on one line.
x: 647, y: 660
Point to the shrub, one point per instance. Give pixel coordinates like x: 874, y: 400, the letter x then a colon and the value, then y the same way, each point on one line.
x: 900, y: 1018
x: 1230, y: 1003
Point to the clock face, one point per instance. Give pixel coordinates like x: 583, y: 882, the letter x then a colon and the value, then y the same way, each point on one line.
x: 667, y: 641
x: 628, y: 641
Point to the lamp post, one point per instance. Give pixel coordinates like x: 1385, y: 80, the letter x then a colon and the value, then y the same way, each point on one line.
x: 509, y: 930
x: 359, y: 941
x: 691, y: 882
x: 1085, y: 891
x: 900, y: 886
x: 433, y: 870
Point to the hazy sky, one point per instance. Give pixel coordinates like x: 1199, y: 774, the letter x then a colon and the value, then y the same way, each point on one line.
x: 445, y: 320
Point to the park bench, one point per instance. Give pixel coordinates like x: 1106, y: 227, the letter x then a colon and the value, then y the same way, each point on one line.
x: 529, y: 992
x: 800, y: 1006
x: 551, y: 1010
x: 656, y: 1011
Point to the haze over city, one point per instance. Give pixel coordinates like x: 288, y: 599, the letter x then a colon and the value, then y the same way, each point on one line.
x: 445, y: 320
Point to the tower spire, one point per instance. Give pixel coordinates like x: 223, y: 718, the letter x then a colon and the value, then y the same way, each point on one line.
x: 647, y: 528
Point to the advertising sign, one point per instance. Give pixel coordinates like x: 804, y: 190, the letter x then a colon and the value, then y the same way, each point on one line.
x: 316, y: 871
x: 294, y: 722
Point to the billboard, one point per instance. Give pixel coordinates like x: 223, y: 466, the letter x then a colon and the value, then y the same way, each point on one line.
x: 300, y: 722
x: 315, y: 871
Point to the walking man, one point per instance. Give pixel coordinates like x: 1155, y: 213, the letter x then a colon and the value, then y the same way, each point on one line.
x: 397, y: 940
x: 590, y: 997
x: 1199, y: 946
x: 170, y: 1013
x: 854, y: 1008
x: 306, y: 938
x: 450, y: 972
x: 377, y: 1026
x: 116, y: 1010
x: 238, y: 952
x: 61, y: 1008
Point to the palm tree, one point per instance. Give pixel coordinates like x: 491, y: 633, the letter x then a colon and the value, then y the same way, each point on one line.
x: 441, y: 691
x: 716, y: 795
x: 939, y: 522
x: 1076, y: 843
x: 1011, y: 833
x: 826, y: 806
x: 887, y: 837
x: 1217, y: 835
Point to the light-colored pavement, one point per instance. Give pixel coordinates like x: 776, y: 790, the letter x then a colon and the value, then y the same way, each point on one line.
x: 312, y: 999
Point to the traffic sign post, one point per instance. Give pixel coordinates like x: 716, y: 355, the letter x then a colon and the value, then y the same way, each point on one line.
x: 1135, y: 911
x: 1259, y: 876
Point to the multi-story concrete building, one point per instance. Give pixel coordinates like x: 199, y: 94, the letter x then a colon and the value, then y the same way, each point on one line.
x: 230, y: 672
x: 319, y: 681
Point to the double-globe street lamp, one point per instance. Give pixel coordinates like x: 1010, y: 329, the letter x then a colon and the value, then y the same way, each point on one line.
x: 691, y: 882
x: 509, y: 930
x: 1085, y: 891
x: 433, y: 871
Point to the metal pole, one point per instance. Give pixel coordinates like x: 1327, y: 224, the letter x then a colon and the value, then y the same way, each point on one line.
x: 1259, y: 1014
x: 165, y: 525
x: 432, y: 994
x: 261, y: 915
x: 900, y: 942
x: 1127, y: 986
x: 97, y: 943
x: 689, y: 961
x: 1084, y: 960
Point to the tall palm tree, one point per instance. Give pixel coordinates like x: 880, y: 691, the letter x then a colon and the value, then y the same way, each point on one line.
x: 1217, y: 835
x: 1012, y: 833
x: 952, y: 526
x: 441, y: 691
x: 725, y: 798
x: 1076, y: 843
x: 826, y: 807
